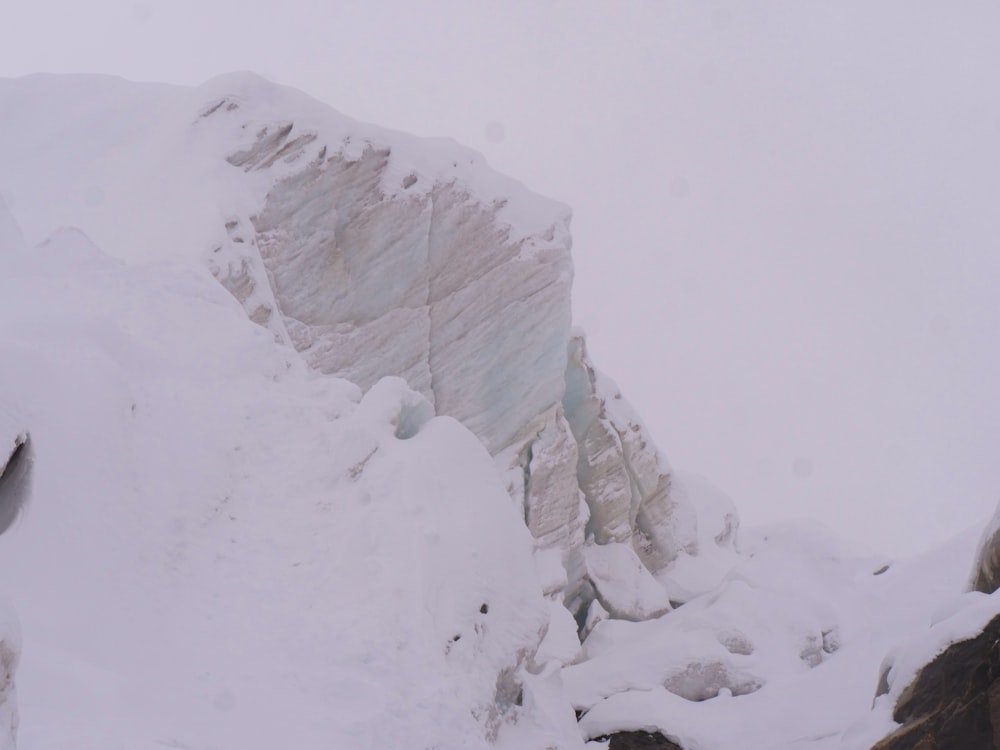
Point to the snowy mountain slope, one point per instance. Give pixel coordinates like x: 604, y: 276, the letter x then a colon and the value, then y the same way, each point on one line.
x: 243, y: 534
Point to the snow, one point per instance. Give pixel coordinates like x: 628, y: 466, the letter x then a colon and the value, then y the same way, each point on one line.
x: 252, y: 535
x: 231, y: 545
x: 762, y: 634
x: 625, y: 589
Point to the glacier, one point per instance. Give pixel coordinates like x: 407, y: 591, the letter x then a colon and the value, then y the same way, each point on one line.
x: 318, y: 459
x: 310, y: 217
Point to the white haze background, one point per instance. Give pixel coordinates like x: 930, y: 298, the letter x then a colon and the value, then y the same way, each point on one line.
x: 786, y: 213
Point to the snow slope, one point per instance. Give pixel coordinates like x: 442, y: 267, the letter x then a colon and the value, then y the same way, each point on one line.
x: 320, y: 462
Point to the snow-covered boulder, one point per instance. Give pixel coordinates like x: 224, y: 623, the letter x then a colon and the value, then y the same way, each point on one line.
x: 953, y: 700
x: 940, y: 688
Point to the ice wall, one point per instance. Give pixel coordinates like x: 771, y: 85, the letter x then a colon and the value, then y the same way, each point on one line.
x: 372, y: 263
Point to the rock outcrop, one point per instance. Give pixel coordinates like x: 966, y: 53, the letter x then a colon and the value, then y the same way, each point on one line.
x: 955, y: 700
x: 641, y: 741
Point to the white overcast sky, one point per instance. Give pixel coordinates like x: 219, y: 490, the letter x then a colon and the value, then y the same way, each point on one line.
x: 786, y: 214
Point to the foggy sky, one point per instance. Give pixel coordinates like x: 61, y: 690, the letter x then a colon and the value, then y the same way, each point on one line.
x: 786, y: 214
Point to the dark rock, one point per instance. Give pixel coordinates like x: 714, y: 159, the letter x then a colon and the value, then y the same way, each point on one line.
x: 641, y: 741
x: 15, y: 479
x: 954, y: 702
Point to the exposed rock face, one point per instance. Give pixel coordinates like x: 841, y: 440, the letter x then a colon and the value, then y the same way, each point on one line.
x: 641, y: 741
x: 374, y: 254
x: 954, y: 701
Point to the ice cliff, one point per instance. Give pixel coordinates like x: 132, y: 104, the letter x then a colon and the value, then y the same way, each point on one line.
x: 373, y: 261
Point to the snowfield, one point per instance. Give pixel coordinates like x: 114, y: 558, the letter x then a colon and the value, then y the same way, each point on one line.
x: 318, y: 461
